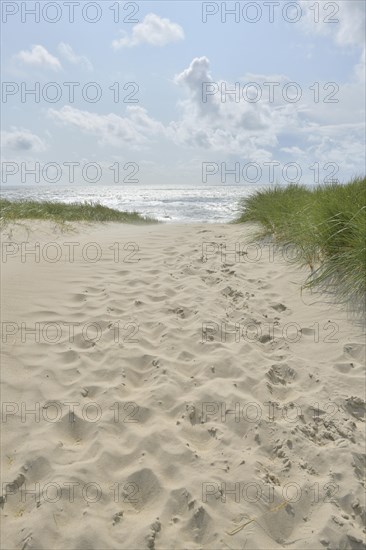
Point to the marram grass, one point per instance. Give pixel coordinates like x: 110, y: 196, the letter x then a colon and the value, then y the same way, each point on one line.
x: 12, y: 211
x: 326, y: 224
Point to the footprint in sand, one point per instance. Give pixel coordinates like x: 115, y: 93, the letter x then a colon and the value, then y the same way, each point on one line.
x: 344, y: 368
x: 356, y: 407
x: 200, y: 523
x: 278, y: 307
x: 281, y: 374
x: 12, y: 488
x: 229, y: 292
x: 357, y: 351
x: 359, y: 464
x: 146, y: 488
x: 178, y: 311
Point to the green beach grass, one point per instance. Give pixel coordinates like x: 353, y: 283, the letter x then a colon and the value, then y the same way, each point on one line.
x: 59, y: 212
x: 327, y: 226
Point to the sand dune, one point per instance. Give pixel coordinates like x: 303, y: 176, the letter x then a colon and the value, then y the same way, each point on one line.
x: 182, y: 398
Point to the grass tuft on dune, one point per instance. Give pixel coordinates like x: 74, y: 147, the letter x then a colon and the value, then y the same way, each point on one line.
x: 11, y: 211
x: 326, y: 224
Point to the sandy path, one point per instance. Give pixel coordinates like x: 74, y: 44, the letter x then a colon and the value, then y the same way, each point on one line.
x: 185, y: 426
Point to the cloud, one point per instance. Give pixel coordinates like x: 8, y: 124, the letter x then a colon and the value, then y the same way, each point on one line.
x: 305, y: 132
x: 134, y: 130
x: 197, y: 74
x: 68, y: 53
x: 22, y: 140
x: 342, y: 145
x: 153, y: 30
x: 232, y: 127
x: 39, y: 56
x: 262, y: 131
x: 348, y: 31
x: 344, y: 21
x: 360, y: 67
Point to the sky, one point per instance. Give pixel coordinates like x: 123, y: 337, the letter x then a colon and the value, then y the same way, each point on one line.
x: 182, y: 92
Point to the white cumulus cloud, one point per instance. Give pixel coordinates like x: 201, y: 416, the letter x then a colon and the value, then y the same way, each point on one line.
x: 153, y: 30
x: 133, y: 130
x: 217, y: 122
x: 39, y: 56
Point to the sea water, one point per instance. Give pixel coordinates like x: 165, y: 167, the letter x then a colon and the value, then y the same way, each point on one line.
x: 184, y: 204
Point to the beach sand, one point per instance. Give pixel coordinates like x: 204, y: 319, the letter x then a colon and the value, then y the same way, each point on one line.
x: 181, y: 398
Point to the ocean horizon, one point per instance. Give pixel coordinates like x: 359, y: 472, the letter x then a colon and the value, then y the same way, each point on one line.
x: 169, y: 203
